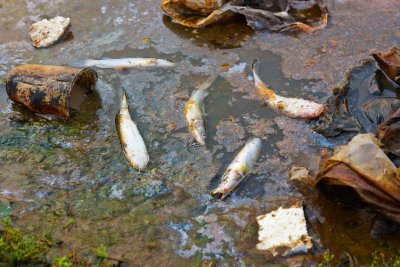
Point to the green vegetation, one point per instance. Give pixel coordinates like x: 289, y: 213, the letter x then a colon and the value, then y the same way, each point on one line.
x: 101, y: 254
x: 64, y: 261
x: 379, y: 260
x: 16, y: 247
x: 327, y: 260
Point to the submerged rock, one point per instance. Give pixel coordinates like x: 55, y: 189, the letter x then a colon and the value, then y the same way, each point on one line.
x: 300, y: 175
x: 46, y: 32
x: 284, y: 232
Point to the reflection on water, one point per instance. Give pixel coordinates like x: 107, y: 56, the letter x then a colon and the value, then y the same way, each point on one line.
x: 230, y: 34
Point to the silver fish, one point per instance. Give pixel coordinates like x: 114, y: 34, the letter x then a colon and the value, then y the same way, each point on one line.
x: 241, y: 166
x: 194, y: 114
x: 295, y: 107
x: 123, y: 63
x: 132, y: 142
x: 195, y: 111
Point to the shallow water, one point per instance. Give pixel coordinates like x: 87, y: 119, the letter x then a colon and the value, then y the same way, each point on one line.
x: 71, y: 178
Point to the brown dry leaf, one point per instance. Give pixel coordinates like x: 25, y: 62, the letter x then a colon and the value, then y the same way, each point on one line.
x: 389, y: 133
x: 390, y: 63
x: 306, y: 16
x: 364, y: 167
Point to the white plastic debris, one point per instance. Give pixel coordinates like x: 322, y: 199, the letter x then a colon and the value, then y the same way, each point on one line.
x: 284, y: 232
x: 46, y: 32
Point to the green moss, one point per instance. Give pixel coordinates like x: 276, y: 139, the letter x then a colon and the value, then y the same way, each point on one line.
x: 379, y: 260
x: 202, y: 240
x: 327, y: 260
x: 64, y: 261
x: 101, y: 255
x: 17, y: 247
x: 198, y: 258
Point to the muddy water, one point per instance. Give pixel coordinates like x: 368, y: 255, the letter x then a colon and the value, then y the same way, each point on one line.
x: 71, y: 178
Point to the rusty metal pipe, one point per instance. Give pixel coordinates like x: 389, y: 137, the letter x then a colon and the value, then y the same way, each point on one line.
x: 46, y: 89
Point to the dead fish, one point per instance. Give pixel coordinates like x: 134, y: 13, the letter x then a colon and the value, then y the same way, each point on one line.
x: 240, y: 167
x: 195, y: 112
x: 132, y: 142
x: 124, y: 63
x: 295, y: 107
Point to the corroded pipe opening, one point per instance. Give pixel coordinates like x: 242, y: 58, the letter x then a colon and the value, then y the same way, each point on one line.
x: 55, y: 90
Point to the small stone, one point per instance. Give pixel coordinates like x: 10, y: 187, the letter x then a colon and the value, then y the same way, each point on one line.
x: 300, y: 174
x: 46, y: 32
x: 284, y: 232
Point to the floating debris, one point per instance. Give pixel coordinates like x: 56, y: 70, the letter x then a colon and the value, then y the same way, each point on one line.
x: 284, y: 232
x: 46, y: 32
x: 364, y: 168
x: 390, y: 63
x: 124, y: 63
x: 354, y: 106
x: 389, y: 133
x: 306, y: 16
x: 241, y: 166
x: 295, y: 107
x: 46, y: 89
x: 302, y: 27
x: 132, y: 142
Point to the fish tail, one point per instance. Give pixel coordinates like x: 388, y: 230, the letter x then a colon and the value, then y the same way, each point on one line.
x: 124, y: 102
x: 260, y: 85
x: 81, y: 64
x: 207, y: 83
